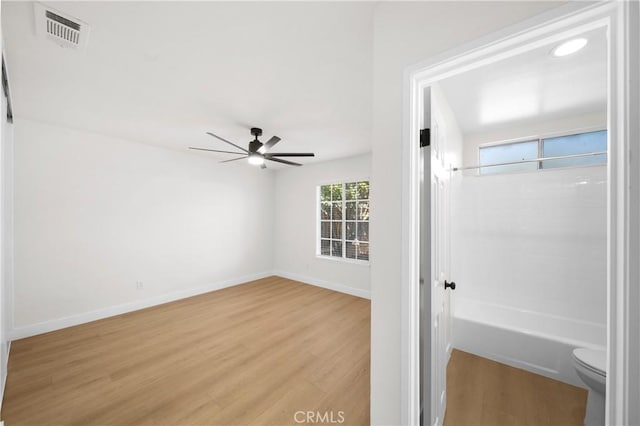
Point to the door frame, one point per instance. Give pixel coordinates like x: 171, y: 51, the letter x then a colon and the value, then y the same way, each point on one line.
x: 621, y: 18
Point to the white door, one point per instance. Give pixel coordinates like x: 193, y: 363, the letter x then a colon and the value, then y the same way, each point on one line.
x: 440, y: 274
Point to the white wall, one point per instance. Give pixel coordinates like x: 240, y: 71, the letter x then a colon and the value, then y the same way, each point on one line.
x: 95, y: 214
x: 6, y: 240
x: 296, y: 216
x: 406, y: 33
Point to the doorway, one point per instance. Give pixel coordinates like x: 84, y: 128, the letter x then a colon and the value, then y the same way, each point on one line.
x: 565, y: 23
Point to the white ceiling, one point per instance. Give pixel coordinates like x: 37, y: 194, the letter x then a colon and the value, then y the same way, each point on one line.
x: 531, y: 87
x: 164, y: 73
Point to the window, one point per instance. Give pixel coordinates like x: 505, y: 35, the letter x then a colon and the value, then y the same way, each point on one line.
x: 344, y: 220
x: 507, y: 153
x: 492, y: 157
x: 581, y: 143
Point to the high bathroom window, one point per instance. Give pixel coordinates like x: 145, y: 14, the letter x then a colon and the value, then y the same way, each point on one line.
x: 507, y: 153
x: 343, y: 230
x: 580, y: 149
x: 580, y: 143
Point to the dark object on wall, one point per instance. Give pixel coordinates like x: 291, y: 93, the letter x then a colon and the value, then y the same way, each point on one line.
x: 425, y: 137
x: 5, y: 90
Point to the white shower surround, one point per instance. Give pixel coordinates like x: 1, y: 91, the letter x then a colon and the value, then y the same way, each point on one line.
x: 534, y: 241
x: 530, y: 262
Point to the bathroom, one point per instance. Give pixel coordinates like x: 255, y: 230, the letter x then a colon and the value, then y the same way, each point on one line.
x: 528, y: 237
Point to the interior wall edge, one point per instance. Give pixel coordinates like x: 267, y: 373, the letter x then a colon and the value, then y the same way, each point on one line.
x: 6, y: 227
x: 77, y: 319
x: 341, y: 288
x: 4, y: 373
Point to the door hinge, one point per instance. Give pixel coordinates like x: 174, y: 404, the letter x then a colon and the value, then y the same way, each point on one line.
x: 425, y: 137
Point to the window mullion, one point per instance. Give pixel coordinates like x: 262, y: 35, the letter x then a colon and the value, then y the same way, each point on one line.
x: 540, y: 153
x: 344, y: 221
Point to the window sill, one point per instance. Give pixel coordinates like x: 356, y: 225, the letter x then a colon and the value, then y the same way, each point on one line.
x: 344, y: 260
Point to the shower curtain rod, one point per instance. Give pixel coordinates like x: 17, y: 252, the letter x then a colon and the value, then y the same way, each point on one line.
x: 508, y: 163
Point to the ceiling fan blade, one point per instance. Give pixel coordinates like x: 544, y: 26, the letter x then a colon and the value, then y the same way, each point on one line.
x: 277, y: 160
x: 234, y: 159
x: 230, y: 143
x: 291, y: 154
x: 215, y: 150
x: 269, y: 144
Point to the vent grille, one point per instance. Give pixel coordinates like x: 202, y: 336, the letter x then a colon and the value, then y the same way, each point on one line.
x: 62, y: 29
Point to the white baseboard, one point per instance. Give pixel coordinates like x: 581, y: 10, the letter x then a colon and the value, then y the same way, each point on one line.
x: 57, y: 324
x: 365, y: 294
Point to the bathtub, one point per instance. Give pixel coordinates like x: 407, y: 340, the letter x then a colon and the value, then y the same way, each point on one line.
x: 532, y: 341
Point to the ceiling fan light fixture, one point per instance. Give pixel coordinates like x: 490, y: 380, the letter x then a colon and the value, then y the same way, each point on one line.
x: 569, y: 47
x: 257, y: 153
x: 255, y: 159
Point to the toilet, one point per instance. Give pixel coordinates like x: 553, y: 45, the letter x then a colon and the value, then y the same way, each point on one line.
x: 591, y: 366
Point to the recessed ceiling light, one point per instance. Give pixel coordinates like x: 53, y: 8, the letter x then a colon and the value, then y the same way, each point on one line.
x: 569, y: 47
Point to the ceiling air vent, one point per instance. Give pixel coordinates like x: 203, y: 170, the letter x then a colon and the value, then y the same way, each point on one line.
x: 63, y: 29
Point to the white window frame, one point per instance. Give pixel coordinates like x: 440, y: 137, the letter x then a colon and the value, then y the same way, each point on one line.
x: 319, y: 238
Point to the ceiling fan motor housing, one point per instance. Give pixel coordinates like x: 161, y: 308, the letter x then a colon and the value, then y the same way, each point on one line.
x: 254, y: 145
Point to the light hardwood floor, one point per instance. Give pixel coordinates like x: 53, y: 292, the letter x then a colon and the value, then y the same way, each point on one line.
x: 483, y: 392
x: 253, y: 354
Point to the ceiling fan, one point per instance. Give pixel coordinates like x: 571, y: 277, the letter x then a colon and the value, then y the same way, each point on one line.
x: 258, y: 152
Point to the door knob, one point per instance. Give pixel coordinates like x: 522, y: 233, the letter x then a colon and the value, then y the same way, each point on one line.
x: 450, y: 285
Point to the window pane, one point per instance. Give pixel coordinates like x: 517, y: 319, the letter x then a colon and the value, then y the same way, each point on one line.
x: 363, y: 251
x: 350, y: 231
x: 351, y: 191
x: 351, y: 210
x: 336, y: 192
x: 575, y: 144
x: 325, y: 230
x: 336, y: 230
x: 363, y: 231
x: 325, y: 193
x: 336, y: 211
x: 363, y: 190
x: 325, y: 211
x: 506, y: 153
x: 363, y: 210
x: 336, y: 248
x: 325, y: 247
x: 351, y: 251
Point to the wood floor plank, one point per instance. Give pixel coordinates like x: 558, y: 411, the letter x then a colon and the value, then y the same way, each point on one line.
x: 481, y: 392
x: 246, y: 355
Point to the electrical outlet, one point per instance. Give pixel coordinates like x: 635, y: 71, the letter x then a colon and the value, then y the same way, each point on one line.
x: 139, y: 285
